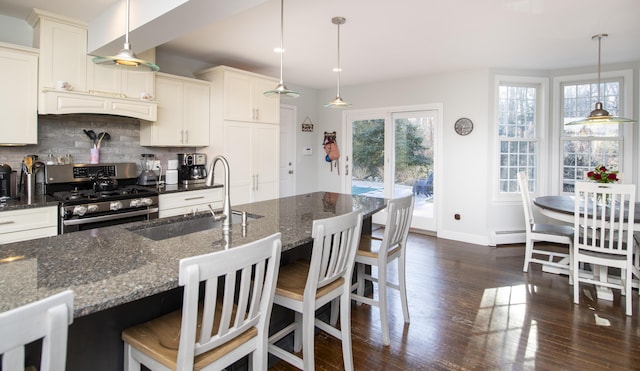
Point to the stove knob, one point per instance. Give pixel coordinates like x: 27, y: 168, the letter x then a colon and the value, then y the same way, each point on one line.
x: 146, y: 201
x: 79, y: 210
x: 115, y: 205
x: 92, y: 208
x: 134, y: 202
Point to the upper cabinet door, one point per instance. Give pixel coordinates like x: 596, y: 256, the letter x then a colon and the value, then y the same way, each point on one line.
x: 237, y: 97
x: 267, y: 109
x: 18, y: 95
x: 183, y: 113
x: 244, y: 98
x: 63, y: 50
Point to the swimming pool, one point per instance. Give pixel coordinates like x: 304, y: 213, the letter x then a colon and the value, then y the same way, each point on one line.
x: 356, y: 190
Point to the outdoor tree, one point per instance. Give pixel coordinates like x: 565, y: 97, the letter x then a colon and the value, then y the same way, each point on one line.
x: 413, y: 159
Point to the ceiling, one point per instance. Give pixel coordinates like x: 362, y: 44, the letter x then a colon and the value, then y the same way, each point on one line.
x: 383, y: 40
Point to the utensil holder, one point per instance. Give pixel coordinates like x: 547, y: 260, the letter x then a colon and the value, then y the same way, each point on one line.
x: 94, y: 155
x: 29, y: 188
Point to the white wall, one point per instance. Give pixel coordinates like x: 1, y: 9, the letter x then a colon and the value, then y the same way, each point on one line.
x: 462, y: 184
x: 307, y: 106
x: 15, y: 31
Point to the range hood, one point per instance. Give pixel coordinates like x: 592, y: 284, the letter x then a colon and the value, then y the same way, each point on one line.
x: 57, y: 102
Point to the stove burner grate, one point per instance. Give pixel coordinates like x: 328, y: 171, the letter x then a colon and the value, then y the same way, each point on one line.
x: 91, y: 195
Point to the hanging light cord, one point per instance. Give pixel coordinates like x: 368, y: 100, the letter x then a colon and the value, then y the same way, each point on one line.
x: 339, y: 68
x: 599, y: 36
x: 126, y: 34
x: 281, y: 39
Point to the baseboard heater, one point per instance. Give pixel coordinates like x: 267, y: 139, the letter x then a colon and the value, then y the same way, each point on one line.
x: 507, y: 237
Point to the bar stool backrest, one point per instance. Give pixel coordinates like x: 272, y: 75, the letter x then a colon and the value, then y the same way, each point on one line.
x: 47, y: 319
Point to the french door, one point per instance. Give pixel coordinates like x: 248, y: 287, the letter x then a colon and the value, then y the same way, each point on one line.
x: 391, y: 153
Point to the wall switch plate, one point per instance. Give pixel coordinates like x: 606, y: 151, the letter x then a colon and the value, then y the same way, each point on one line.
x: 307, y: 151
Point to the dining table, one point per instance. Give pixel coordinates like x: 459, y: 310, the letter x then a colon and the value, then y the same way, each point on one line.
x: 562, y: 208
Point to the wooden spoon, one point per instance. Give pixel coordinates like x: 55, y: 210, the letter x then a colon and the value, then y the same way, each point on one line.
x: 29, y: 162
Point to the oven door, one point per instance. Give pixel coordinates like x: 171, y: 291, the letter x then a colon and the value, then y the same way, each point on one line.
x: 90, y: 222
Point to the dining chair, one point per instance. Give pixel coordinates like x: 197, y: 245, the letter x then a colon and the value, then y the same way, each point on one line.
x: 219, y: 324
x: 379, y: 253
x: 543, y: 232
x: 305, y: 286
x: 604, y: 226
x: 47, y: 319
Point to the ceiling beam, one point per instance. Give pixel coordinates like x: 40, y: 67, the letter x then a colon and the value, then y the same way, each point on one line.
x: 153, y: 23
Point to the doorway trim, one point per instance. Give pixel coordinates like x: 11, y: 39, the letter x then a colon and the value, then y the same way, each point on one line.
x: 291, y: 146
x: 437, y: 154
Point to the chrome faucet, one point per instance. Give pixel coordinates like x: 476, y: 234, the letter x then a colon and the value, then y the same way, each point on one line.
x: 226, y: 208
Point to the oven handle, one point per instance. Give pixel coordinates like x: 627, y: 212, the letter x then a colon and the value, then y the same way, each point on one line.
x: 110, y: 217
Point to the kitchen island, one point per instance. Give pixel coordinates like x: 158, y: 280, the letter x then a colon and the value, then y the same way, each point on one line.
x: 120, y: 277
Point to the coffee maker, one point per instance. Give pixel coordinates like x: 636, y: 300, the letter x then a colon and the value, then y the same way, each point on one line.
x: 192, y: 168
x: 7, y: 182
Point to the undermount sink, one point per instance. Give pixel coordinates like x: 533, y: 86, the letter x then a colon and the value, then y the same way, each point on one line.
x: 164, y: 229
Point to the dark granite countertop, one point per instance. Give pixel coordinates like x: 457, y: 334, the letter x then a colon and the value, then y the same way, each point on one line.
x: 21, y: 203
x: 174, y: 188
x: 110, y: 266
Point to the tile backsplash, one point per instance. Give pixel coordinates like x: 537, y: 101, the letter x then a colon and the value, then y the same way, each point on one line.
x: 62, y: 134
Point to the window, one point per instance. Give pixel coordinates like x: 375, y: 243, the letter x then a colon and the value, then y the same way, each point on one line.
x: 518, y: 116
x: 584, y: 147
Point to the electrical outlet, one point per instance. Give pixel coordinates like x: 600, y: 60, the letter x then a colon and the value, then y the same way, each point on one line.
x: 156, y: 165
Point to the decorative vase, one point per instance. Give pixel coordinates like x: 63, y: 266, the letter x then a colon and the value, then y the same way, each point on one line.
x: 94, y: 156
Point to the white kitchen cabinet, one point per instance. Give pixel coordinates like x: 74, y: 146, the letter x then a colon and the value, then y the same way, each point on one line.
x: 183, y: 113
x: 18, y: 95
x: 190, y: 202
x: 63, y: 50
x: 252, y: 150
x: 63, y: 57
x: 28, y: 224
x: 242, y: 94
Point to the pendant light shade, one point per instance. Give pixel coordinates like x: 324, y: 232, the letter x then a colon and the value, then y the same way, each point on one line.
x: 126, y: 57
x: 281, y: 89
x: 338, y: 102
x: 599, y: 115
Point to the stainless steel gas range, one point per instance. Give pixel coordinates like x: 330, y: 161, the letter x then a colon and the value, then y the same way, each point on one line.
x: 93, y: 196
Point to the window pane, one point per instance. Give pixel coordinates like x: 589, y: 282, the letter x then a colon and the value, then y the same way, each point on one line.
x: 586, y: 146
x: 517, y: 108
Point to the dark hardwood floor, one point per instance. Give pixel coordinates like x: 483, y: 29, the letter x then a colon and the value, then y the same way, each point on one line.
x: 472, y: 308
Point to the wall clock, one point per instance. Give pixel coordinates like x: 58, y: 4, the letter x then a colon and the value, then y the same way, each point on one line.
x: 463, y: 126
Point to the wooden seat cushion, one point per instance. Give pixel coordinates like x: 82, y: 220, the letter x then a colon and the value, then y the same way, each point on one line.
x: 160, y: 337
x: 370, y: 247
x: 292, y: 279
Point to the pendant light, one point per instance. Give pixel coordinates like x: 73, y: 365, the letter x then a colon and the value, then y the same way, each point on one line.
x: 338, y: 102
x: 599, y: 115
x: 126, y: 57
x: 281, y: 89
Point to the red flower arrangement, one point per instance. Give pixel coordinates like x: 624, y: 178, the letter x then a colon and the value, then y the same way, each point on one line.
x: 602, y: 175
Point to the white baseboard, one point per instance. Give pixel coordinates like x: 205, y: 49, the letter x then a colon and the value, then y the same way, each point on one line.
x: 506, y: 237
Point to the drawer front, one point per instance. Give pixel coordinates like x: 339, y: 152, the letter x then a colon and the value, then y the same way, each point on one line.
x: 28, y: 224
x: 190, y: 201
x: 188, y: 210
